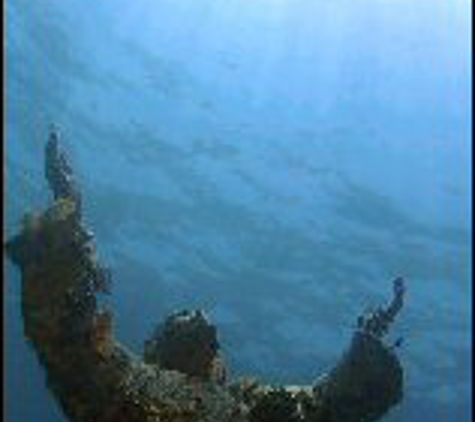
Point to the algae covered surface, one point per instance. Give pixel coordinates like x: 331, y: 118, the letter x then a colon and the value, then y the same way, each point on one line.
x: 182, y: 376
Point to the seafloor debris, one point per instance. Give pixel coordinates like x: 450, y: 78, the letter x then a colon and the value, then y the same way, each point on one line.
x: 182, y: 377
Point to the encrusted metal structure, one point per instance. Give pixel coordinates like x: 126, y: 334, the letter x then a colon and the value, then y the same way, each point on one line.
x: 181, y: 377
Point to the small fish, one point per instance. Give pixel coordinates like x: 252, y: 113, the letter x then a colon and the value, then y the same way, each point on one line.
x: 398, y: 343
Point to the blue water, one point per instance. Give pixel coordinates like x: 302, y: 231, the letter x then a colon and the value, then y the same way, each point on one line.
x: 275, y: 162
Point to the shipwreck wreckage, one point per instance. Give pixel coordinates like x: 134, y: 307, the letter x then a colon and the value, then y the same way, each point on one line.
x: 181, y: 376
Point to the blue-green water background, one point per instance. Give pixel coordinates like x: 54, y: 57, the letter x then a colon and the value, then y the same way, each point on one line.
x: 275, y: 162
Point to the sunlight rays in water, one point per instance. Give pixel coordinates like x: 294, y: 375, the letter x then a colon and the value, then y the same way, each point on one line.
x: 372, y: 91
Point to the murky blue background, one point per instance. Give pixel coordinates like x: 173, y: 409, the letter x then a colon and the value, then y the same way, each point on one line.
x: 275, y: 162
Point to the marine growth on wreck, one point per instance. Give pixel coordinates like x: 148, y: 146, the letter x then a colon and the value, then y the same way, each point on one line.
x: 181, y: 376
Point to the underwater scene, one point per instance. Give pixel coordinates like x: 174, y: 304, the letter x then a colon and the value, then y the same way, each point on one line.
x: 275, y: 178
